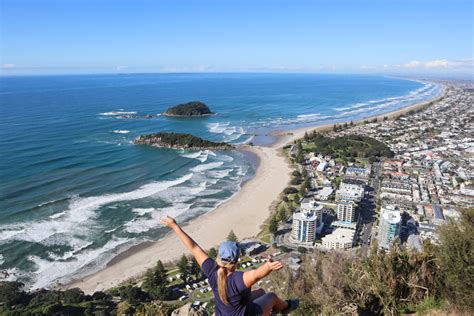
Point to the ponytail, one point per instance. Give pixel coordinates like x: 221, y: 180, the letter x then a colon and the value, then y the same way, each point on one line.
x: 222, y: 272
x: 222, y: 284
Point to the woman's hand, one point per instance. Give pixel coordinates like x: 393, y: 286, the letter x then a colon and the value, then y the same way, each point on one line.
x: 168, y: 221
x: 274, y: 265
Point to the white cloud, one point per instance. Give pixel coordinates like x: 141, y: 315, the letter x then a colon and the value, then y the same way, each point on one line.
x: 429, y: 65
x: 413, y: 64
x: 439, y: 63
x: 8, y: 66
x: 120, y: 67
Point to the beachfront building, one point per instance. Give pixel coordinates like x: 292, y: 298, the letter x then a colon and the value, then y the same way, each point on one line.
x: 389, y: 228
x: 340, y: 238
x: 322, y: 166
x: 358, y: 172
x: 324, y: 194
x: 310, y: 205
x: 350, y: 191
x: 346, y: 211
x: 304, y: 227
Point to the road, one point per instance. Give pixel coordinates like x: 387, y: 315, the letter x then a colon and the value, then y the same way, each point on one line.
x: 367, y: 208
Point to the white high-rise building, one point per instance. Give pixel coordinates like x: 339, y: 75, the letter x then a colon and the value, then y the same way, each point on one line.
x: 389, y: 228
x: 308, y: 206
x: 304, y: 227
x: 346, y: 211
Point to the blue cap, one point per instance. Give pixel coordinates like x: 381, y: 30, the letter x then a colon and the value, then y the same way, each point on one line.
x: 229, y: 251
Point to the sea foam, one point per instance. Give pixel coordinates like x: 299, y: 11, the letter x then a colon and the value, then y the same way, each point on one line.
x: 116, y: 113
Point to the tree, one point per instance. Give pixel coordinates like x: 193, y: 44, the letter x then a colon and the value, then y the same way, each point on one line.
x: 195, y: 269
x: 156, y: 282
x: 291, y: 208
x: 302, y: 191
x: 281, y: 213
x: 273, y: 226
x: 11, y: 293
x: 100, y: 296
x: 304, y: 174
x: 212, y: 253
x: 456, y: 259
x: 352, y: 123
x: 72, y: 296
x: 306, y: 136
x: 232, y: 236
x: 334, y: 128
x: 299, y: 157
x: 44, y: 298
x: 133, y: 295
x: 296, y: 173
x: 296, y: 181
x: 183, y: 265
x: 290, y: 190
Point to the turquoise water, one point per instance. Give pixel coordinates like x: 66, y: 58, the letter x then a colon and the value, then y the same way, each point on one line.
x: 75, y: 191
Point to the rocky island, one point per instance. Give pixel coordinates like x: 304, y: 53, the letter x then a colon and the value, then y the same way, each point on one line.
x: 189, y: 109
x: 180, y: 141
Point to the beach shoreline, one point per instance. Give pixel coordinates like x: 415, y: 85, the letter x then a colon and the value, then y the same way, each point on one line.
x: 245, y: 212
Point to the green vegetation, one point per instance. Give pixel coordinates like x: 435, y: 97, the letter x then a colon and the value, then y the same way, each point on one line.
x: 332, y: 283
x: 273, y: 226
x: 296, y: 173
x: 15, y: 301
x: 232, y: 236
x: 193, y: 108
x: 456, y: 259
x: 180, y: 141
x: 290, y: 190
x: 348, y: 147
x: 183, y: 266
x: 212, y: 253
x: 389, y: 283
x: 156, y: 283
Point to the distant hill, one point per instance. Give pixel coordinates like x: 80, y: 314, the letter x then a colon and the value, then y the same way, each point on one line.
x: 193, y: 108
x: 180, y: 141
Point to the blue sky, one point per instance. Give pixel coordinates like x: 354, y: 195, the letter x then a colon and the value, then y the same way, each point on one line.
x: 97, y: 36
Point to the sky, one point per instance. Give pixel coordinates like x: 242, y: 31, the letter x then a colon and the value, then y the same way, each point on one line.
x: 127, y: 36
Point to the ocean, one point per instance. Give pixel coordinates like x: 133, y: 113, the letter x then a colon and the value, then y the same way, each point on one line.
x: 75, y: 191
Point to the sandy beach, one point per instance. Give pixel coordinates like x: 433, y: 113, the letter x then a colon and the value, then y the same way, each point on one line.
x: 244, y: 213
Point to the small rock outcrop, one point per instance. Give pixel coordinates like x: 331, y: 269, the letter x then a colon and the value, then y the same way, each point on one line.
x: 190, y: 109
x: 180, y: 141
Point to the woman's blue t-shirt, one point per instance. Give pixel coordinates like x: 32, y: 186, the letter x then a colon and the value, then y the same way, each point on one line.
x: 238, y: 295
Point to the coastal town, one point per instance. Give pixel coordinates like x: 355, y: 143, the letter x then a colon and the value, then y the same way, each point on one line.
x: 197, y: 158
x: 355, y: 188
x: 402, y: 197
x: 409, y: 174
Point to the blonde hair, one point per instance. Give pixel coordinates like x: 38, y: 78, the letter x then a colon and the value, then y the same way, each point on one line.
x: 222, y: 272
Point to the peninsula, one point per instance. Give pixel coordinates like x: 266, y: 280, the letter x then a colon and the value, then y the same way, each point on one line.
x: 189, y: 109
x: 180, y: 141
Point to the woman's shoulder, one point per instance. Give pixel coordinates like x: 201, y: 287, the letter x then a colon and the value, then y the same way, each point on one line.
x: 238, y: 278
x: 208, y: 266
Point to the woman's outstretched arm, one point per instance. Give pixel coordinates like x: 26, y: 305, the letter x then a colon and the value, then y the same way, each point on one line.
x: 199, y: 254
x: 253, y: 276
